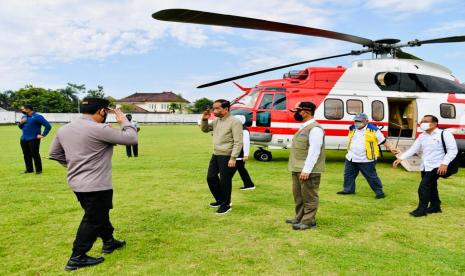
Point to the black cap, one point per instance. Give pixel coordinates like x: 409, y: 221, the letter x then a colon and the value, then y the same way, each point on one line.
x: 308, y: 106
x: 91, y: 105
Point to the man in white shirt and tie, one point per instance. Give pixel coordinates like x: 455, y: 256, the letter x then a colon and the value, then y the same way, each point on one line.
x: 306, y: 163
x: 434, y: 163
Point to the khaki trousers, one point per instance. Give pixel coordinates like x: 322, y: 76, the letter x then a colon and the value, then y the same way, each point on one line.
x: 306, y: 197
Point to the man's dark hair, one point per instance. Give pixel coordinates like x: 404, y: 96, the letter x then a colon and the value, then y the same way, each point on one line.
x: 434, y: 119
x: 224, y: 103
x: 28, y: 106
x: 308, y: 106
x: 92, y: 105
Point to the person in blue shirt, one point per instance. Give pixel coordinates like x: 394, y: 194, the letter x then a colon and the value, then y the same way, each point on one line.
x: 31, y: 125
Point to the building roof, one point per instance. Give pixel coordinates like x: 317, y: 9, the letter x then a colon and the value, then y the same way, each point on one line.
x: 153, y: 97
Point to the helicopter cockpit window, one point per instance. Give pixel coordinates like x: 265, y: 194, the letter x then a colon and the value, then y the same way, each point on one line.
x: 249, y: 99
x: 334, y: 109
x: 279, y: 102
x: 267, y: 101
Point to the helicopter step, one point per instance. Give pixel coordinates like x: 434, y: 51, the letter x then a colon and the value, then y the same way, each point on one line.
x: 262, y: 155
x: 412, y: 164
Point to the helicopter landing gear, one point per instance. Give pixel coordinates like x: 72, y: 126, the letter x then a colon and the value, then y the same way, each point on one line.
x: 262, y: 155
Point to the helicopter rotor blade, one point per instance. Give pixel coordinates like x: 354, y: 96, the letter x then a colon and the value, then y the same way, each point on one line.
x: 404, y: 55
x: 449, y: 39
x: 280, y: 67
x: 216, y: 19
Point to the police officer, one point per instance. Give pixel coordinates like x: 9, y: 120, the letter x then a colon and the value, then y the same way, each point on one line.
x: 434, y: 163
x: 306, y: 163
x: 85, y: 147
x: 363, y: 150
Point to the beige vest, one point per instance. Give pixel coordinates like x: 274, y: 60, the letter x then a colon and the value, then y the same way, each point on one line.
x: 299, y: 151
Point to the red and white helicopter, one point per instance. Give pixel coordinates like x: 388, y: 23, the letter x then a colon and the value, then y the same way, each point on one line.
x: 394, y: 88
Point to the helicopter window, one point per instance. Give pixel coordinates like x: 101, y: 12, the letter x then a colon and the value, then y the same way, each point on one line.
x: 245, y: 112
x: 279, y: 101
x: 447, y: 111
x: 334, y: 109
x: 267, y: 101
x: 263, y: 118
x: 249, y: 99
x: 377, y: 110
x: 354, y: 106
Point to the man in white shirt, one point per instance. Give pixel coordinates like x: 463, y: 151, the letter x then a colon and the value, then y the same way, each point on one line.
x: 132, y: 149
x: 306, y: 163
x: 244, y: 156
x: 362, y: 152
x: 434, y: 163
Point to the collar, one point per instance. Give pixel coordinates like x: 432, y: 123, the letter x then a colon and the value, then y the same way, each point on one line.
x: 87, y: 117
x: 311, y: 121
x: 225, y: 117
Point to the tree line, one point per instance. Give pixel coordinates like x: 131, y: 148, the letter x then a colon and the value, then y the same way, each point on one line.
x: 61, y: 100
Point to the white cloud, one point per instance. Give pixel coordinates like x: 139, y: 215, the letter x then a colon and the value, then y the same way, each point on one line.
x: 402, y: 6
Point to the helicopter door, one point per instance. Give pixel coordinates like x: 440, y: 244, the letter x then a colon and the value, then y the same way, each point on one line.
x: 402, y: 118
x: 272, y: 108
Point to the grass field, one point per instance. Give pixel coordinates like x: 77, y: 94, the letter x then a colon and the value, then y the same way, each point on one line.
x: 160, y: 209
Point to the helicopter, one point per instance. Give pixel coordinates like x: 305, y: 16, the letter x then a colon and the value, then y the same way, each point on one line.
x: 394, y: 88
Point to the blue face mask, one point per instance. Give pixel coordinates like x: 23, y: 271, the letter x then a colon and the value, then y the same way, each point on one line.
x: 359, y: 125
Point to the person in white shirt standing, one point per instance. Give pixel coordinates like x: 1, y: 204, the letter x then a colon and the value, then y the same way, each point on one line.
x: 434, y: 163
x: 244, y: 156
x: 132, y: 149
x: 306, y: 163
x: 362, y: 152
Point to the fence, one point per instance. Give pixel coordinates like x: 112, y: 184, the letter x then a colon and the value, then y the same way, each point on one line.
x: 11, y: 117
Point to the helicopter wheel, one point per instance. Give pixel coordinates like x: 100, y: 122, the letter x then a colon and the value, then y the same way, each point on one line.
x: 262, y: 155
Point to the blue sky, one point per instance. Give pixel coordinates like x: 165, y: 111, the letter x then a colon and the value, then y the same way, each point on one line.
x: 118, y: 45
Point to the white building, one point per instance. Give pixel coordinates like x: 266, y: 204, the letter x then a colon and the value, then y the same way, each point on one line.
x: 152, y: 102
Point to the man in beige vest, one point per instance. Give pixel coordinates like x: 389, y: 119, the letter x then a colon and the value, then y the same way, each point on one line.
x: 306, y: 163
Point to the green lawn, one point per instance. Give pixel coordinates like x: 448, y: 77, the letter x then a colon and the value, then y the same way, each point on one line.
x: 160, y: 209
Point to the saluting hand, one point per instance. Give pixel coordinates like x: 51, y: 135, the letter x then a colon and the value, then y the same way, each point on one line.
x: 120, y: 118
x: 442, y: 170
x: 206, y: 114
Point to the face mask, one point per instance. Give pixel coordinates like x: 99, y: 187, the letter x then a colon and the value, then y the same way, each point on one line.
x: 104, y: 117
x: 298, y: 117
x: 424, y: 126
x: 359, y: 125
x: 24, y: 112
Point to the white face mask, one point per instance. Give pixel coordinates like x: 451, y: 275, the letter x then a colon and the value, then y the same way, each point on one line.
x: 359, y: 125
x: 425, y: 126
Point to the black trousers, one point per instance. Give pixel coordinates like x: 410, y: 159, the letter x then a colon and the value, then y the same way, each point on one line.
x: 428, y: 190
x: 95, y: 222
x: 219, y: 178
x: 31, y: 152
x: 135, y: 150
x: 240, y: 165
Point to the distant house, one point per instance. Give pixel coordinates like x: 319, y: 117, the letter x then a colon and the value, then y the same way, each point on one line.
x: 152, y: 102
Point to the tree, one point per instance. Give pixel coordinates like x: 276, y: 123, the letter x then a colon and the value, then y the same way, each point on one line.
x: 98, y: 93
x: 200, y: 105
x: 127, y: 108
x: 172, y: 107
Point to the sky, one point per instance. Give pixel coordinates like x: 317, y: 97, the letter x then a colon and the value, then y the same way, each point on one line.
x: 117, y: 44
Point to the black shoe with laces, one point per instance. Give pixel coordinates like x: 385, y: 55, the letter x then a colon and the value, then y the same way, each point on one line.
x: 111, y: 245
x: 223, y: 209
x: 303, y: 226
x: 82, y: 261
x: 380, y: 196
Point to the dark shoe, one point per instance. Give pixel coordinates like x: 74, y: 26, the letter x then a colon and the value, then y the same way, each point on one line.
x: 28, y: 171
x: 432, y: 210
x: 418, y: 213
x: 247, y: 188
x: 223, y: 209
x: 292, y: 221
x: 345, y: 193
x: 82, y: 261
x: 380, y: 196
x: 215, y: 204
x: 303, y: 226
x: 111, y: 245
x: 39, y: 172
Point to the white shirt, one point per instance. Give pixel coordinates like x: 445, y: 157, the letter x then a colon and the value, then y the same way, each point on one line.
x: 357, y: 151
x: 433, y: 151
x: 135, y: 124
x: 315, y: 140
x: 245, y: 143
